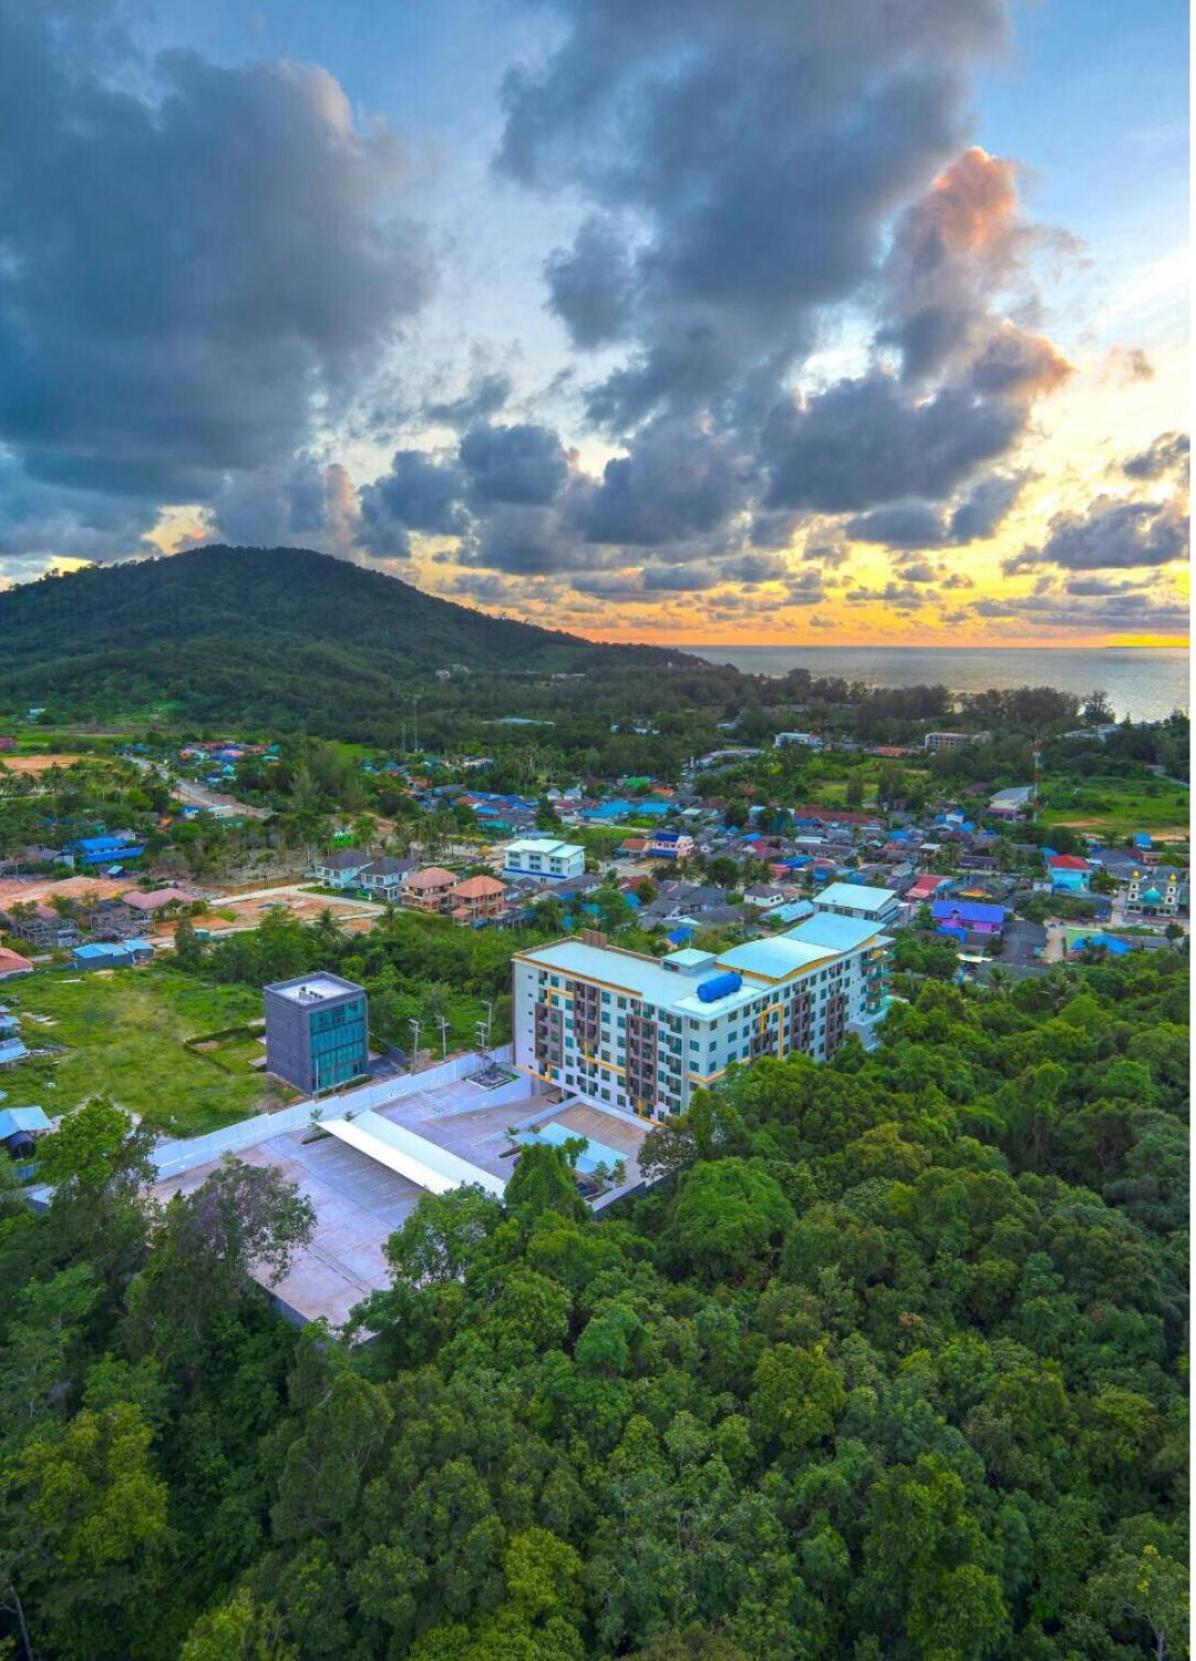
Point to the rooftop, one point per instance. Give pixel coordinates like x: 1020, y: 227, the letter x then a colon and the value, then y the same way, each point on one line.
x: 858, y: 895
x: 313, y: 989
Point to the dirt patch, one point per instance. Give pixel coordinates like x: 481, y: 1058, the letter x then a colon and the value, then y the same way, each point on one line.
x: 36, y: 764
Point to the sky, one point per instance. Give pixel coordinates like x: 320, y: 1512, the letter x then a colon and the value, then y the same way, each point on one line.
x: 842, y: 322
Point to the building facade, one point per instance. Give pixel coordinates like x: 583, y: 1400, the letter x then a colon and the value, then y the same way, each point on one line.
x: 534, y: 856
x: 858, y: 899
x: 639, y: 1034
x: 317, y: 1031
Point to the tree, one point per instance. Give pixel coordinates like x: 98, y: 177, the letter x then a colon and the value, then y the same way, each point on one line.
x: 241, y: 1629
x: 543, y: 1181
x: 727, y: 1215
x: 1145, y: 1588
x: 206, y: 1246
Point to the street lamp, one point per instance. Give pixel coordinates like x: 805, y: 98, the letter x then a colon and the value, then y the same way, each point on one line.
x: 442, y: 1022
x: 415, y: 1026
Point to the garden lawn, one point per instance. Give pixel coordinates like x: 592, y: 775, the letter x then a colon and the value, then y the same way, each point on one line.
x: 123, y: 1034
x: 1117, y: 807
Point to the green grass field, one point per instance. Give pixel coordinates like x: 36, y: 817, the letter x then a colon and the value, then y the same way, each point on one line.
x: 1117, y: 807
x: 123, y: 1034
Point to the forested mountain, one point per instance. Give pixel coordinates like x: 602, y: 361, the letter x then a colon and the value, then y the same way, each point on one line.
x: 262, y: 635
x: 891, y: 1367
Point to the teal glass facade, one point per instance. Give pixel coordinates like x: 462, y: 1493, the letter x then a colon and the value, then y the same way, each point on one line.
x: 339, y: 1049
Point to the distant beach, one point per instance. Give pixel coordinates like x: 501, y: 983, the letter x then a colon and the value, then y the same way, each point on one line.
x: 1147, y: 683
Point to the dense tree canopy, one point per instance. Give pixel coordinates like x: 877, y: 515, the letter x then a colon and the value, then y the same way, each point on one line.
x: 887, y: 1367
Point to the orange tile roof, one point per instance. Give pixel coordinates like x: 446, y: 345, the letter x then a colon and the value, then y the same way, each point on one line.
x: 478, y: 888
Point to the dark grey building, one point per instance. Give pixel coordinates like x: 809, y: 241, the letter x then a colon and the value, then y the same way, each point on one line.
x: 317, y: 1031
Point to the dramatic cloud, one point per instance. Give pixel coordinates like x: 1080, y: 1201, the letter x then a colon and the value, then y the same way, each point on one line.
x: 901, y: 525
x: 866, y: 442
x: 185, y: 284
x: 677, y: 481
x: 758, y: 151
x: 524, y: 464
x: 418, y: 493
x: 913, y: 525
x: 1112, y: 535
x: 1168, y: 454
x: 1015, y: 364
x: 950, y: 249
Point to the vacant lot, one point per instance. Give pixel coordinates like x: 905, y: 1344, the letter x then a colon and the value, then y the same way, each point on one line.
x: 122, y: 1034
x: 1116, y: 808
x: 34, y: 764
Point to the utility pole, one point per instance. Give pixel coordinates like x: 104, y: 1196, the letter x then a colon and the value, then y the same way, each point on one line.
x: 442, y: 1022
x: 415, y: 1026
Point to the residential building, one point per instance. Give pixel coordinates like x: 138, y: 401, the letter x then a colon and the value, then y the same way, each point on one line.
x: 807, y: 740
x: 669, y: 844
x: 112, y: 954
x: 429, y: 888
x: 477, y: 899
x: 543, y: 856
x: 964, y: 918
x: 925, y: 888
x: 317, y: 1031
x: 156, y: 901
x: 855, y: 899
x: 764, y: 897
x: 634, y: 1033
x: 385, y: 879
x: 1011, y: 804
x: 935, y: 741
x: 1069, y: 873
x: 119, y: 848
x: 341, y: 868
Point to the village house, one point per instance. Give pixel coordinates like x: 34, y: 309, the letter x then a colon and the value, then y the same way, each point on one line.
x: 429, y: 888
x: 477, y: 899
x: 1068, y: 873
x: 341, y: 868
x: 385, y: 879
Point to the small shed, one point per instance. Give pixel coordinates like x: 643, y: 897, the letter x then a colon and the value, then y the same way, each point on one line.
x: 18, y: 1128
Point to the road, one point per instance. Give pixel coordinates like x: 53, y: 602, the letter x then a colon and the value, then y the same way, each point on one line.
x: 198, y: 795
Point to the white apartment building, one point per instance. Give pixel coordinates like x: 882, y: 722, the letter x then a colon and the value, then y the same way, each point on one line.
x: 542, y: 856
x: 639, y: 1034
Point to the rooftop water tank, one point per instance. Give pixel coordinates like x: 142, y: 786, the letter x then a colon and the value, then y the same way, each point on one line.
x: 719, y: 986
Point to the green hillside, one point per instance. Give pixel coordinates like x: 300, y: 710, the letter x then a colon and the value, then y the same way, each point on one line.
x: 272, y: 636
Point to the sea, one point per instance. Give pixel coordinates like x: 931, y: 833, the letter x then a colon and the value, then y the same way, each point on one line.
x: 1145, y: 682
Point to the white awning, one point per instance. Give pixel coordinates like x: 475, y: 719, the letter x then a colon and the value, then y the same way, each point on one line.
x: 411, y: 1156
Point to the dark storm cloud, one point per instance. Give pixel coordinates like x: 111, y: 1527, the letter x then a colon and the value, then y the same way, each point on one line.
x: 1168, y: 454
x: 182, y: 281
x: 1112, y: 535
x: 865, y: 442
x: 759, y: 150
x: 524, y: 464
x: 39, y: 521
x: 418, y: 493
x: 484, y: 398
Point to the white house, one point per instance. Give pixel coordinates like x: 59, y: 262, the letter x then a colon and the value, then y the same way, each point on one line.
x: 340, y: 869
x: 808, y: 740
x: 856, y: 899
x: 542, y: 856
x: 386, y: 878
